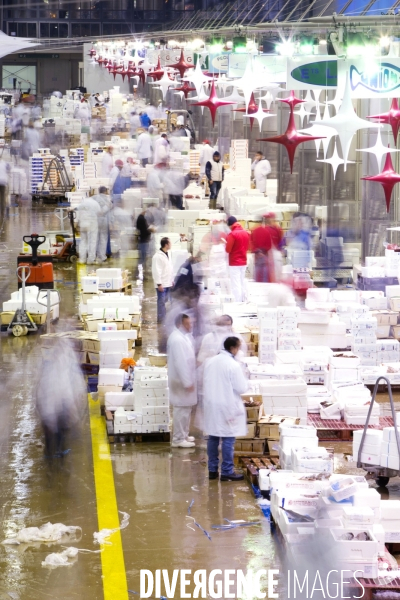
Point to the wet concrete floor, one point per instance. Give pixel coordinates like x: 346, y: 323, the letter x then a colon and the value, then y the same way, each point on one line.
x: 154, y: 483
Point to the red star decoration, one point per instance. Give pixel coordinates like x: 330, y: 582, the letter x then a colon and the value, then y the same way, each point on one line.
x: 142, y: 75
x: 124, y: 73
x: 388, y: 179
x: 213, y: 102
x: 181, y: 65
x: 185, y: 89
x: 115, y: 70
x: 110, y: 66
x: 92, y: 52
x: 392, y: 118
x: 252, y: 108
x: 291, y: 100
x: 158, y: 71
x: 291, y: 139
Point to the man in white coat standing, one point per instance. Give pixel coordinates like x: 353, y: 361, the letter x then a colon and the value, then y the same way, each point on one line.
x: 144, y: 147
x: 261, y: 167
x: 224, y: 411
x: 181, y: 380
x: 161, y: 269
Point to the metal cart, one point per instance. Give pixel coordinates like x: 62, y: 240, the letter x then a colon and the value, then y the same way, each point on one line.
x: 381, y: 474
x: 55, y: 192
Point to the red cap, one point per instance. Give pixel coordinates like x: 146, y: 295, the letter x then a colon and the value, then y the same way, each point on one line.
x: 119, y: 163
x: 269, y: 215
x: 206, y: 141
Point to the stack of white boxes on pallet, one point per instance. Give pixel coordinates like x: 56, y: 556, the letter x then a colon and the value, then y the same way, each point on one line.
x: 293, y: 438
x: 389, y: 453
x: 289, y: 336
x: 239, y: 150
x: 152, y: 398
x: 372, y: 447
x: 364, y: 332
x: 268, y: 334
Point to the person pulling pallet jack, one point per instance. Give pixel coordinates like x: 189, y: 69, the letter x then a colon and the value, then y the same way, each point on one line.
x: 68, y: 249
x: 22, y: 322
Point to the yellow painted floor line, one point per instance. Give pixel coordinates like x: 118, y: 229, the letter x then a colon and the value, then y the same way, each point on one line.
x: 112, y: 557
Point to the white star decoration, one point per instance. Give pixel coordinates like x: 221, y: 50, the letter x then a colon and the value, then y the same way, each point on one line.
x: 163, y: 84
x: 302, y: 113
x: 346, y: 122
x: 260, y: 115
x: 197, y: 77
x: 234, y: 96
x: 379, y: 150
x: 335, y: 161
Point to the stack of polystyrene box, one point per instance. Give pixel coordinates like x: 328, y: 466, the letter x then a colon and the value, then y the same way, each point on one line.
x: 356, y: 404
x: 375, y: 300
x: 110, y: 278
x: 113, y: 349
x: 390, y: 520
x: 287, y: 397
x: 312, y: 460
x: 388, y: 351
x: 363, y: 331
x: 343, y: 367
x: 194, y: 160
x: 127, y: 421
x: 239, y: 149
x: 268, y: 334
x: 374, y: 267
x: 389, y: 451
x: 392, y: 265
x: 372, y: 447
x: 315, y: 395
x: 36, y: 172
x: 289, y: 336
x: 293, y: 437
x: 152, y: 398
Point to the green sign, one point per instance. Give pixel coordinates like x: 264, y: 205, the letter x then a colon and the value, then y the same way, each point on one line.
x: 322, y: 73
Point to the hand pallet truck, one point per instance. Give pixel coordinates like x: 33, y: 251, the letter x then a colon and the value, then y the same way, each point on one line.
x: 21, y: 322
x: 68, y: 251
x: 381, y: 474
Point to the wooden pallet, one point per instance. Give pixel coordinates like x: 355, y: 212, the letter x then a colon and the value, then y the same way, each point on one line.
x: 330, y: 430
x: 127, y: 289
x: 252, y: 465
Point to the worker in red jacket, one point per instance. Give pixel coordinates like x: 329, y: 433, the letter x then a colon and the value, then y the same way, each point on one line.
x: 266, y: 241
x: 237, y: 245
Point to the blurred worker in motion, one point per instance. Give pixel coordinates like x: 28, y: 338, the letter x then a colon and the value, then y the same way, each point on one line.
x: 145, y: 120
x: 185, y: 279
x: 4, y: 177
x: 60, y: 398
x: 118, y: 183
x: 144, y: 147
x: 206, y: 155
x: 135, y: 122
x: 265, y: 242
x: 161, y: 267
x: 161, y: 150
x: 31, y: 142
x: 103, y: 222
x: 87, y: 213
x: 237, y: 245
x: 174, y: 184
x: 299, y: 237
x: 107, y: 162
x: 215, y: 177
x: 84, y: 114
x: 181, y: 380
x: 224, y: 411
x: 145, y: 231
x: 261, y: 167
x: 154, y: 182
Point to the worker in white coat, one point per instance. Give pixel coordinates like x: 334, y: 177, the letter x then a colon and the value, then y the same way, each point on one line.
x: 181, y: 380
x: 161, y: 269
x: 103, y: 222
x: 262, y: 168
x: 107, y: 162
x: 86, y: 216
x: 144, y: 148
x: 161, y: 150
x: 206, y: 155
x: 224, y: 411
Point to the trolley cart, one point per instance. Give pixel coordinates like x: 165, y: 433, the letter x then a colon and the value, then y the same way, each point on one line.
x: 381, y: 474
x: 41, y: 266
x: 68, y: 250
x: 54, y: 191
x: 22, y: 322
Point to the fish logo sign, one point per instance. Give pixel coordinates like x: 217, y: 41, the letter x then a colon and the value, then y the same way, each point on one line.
x: 322, y: 73
x: 384, y: 80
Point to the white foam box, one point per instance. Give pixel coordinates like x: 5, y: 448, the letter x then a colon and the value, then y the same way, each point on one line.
x: 112, y: 359
x: 161, y: 393
x: 284, y: 401
x: 148, y: 410
x: 120, y: 416
x: 312, y: 461
x: 306, y: 504
x: 134, y: 417
x: 379, y: 533
x: 111, y: 376
x: 90, y: 284
x: 136, y: 428
x: 343, y: 488
x: 109, y: 272
x: 367, y: 497
x: 114, y: 345
x: 114, y: 334
x: 358, y: 516
x: 344, y: 360
x: 360, y: 420
x: 147, y: 393
x: 390, y: 461
x: 305, y: 431
x: 126, y: 428
x: 288, y: 443
x: 154, y: 382
x: 336, y: 374
x: 149, y: 419
x: 114, y: 400
x: 353, y: 549
x: 287, y: 526
x: 389, y: 434
x: 335, y: 416
x: 164, y: 401
x: 390, y: 510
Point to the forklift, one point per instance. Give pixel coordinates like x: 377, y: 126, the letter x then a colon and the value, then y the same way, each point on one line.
x: 40, y: 267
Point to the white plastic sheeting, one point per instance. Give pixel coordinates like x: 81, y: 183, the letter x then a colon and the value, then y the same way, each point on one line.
x: 61, y: 559
x: 48, y: 532
x: 102, y: 536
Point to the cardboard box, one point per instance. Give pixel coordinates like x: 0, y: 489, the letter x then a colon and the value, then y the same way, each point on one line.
x: 251, y: 431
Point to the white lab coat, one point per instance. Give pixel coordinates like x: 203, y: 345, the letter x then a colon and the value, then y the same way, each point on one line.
x: 103, y: 221
x: 143, y: 148
x: 161, y: 151
x: 154, y: 184
x: 107, y: 164
x: 86, y: 216
x: 181, y: 368
x: 206, y: 154
x: 261, y: 169
x: 224, y: 411
x: 161, y: 268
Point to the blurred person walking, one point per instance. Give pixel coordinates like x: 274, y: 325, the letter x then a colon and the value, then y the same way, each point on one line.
x: 224, y: 411
x: 161, y: 267
x: 181, y: 380
x: 107, y: 162
x: 4, y: 180
x: 215, y: 177
x: 145, y: 231
x: 174, y: 184
x: 161, y: 150
x: 87, y: 213
x: 266, y: 241
x: 206, y: 155
x: 103, y: 222
x: 237, y: 245
x: 144, y: 147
